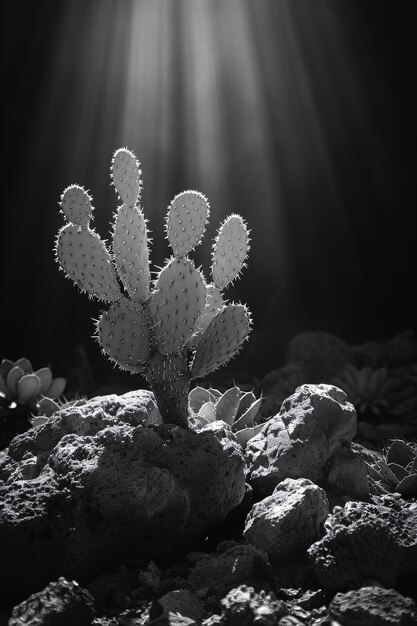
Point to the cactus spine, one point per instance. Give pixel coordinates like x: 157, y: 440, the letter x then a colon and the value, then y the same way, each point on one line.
x: 177, y: 327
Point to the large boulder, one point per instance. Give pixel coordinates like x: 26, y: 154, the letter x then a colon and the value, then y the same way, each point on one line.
x: 315, y: 424
x: 100, y: 482
x: 288, y: 521
x: 366, y: 541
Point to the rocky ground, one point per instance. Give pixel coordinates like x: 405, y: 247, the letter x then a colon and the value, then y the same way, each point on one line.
x: 108, y: 517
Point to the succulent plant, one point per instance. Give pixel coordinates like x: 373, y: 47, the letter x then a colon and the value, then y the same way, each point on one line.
x: 175, y: 328
x: 367, y: 389
x: 237, y: 408
x: 397, y: 470
x: 36, y: 390
x: 24, y: 394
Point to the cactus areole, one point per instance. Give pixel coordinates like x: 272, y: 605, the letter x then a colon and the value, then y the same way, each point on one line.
x: 173, y: 329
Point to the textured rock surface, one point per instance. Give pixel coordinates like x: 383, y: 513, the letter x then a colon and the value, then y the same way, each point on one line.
x: 313, y: 424
x: 289, y: 520
x: 101, y: 486
x: 375, y: 541
x: 239, y: 564
x: 373, y: 606
x: 61, y: 603
x: 179, y: 603
x: 242, y: 606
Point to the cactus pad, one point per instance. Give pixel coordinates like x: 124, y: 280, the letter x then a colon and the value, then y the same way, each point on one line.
x: 176, y: 304
x: 84, y: 257
x: 125, y: 172
x: 76, y: 205
x: 131, y: 253
x: 224, y: 336
x: 214, y: 302
x: 124, y: 335
x: 186, y: 221
x: 229, y: 251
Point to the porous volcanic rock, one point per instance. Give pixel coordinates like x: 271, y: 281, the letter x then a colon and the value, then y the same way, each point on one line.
x: 373, y: 606
x: 237, y: 565
x: 61, y: 603
x: 315, y: 423
x: 366, y: 541
x: 242, y: 606
x: 289, y: 520
x: 97, y: 483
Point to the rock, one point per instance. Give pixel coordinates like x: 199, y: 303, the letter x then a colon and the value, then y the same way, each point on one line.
x: 240, y: 564
x: 106, y: 587
x: 180, y: 603
x: 244, y: 607
x: 109, y: 486
x: 313, y: 424
x: 376, y: 541
x: 61, y: 603
x: 373, y: 606
x: 347, y: 474
x: 289, y: 520
x: 278, y: 385
x: 320, y: 355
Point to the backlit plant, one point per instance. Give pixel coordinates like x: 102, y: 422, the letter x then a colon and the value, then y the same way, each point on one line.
x: 177, y: 327
x: 21, y: 386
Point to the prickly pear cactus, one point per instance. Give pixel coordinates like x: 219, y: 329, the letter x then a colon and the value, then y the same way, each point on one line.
x: 177, y: 327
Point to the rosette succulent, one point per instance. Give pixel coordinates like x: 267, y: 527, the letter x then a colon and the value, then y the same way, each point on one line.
x: 239, y: 409
x: 21, y: 386
x: 24, y: 395
x: 367, y: 389
x: 397, y: 470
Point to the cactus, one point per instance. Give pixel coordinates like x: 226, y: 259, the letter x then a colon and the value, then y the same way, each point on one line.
x: 237, y: 408
x: 177, y: 327
x: 397, y: 470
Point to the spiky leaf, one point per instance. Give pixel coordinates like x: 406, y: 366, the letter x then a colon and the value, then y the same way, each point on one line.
x: 176, y: 304
x: 229, y: 251
x: 408, y: 486
x: 222, y: 339
x: 84, y: 257
x: 197, y: 397
x: 186, y: 221
x: 131, y: 252
x: 124, y: 335
x: 245, y: 434
x: 227, y: 405
x: 207, y: 413
x: 400, y: 452
x: 247, y: 418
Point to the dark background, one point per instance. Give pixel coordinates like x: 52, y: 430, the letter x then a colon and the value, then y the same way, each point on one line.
x: 298, y: 115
